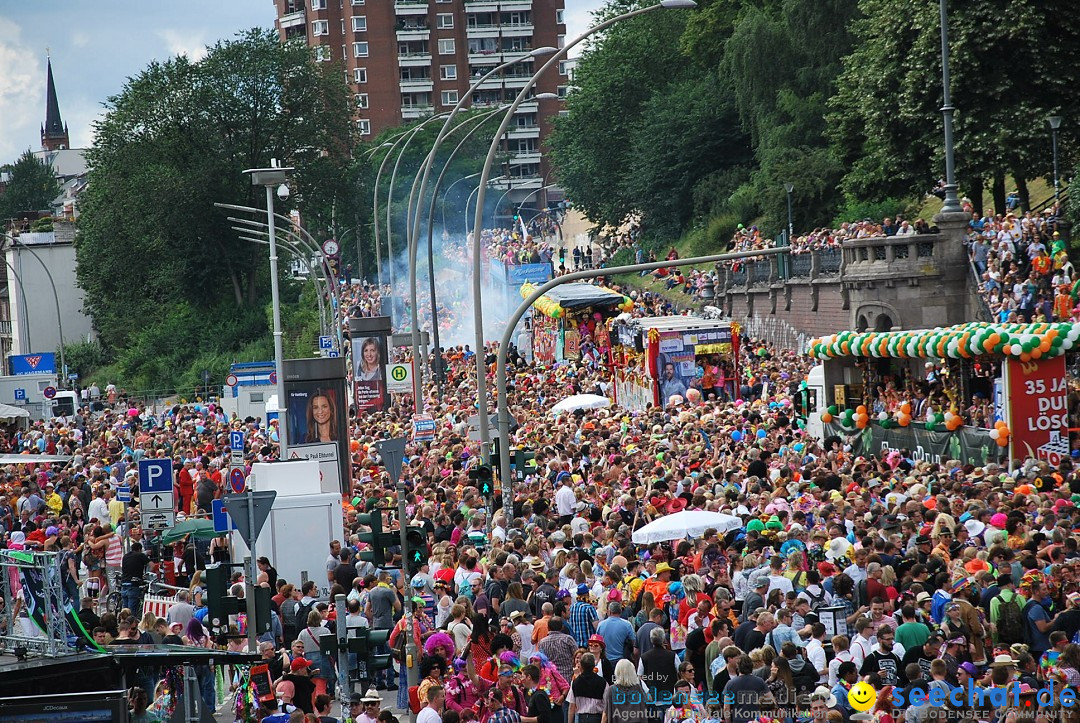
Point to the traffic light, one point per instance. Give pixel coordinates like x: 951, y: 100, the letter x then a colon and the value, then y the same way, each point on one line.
x: 496, y: 455
x: 418, y: 552
x: 482, y: 477
x: 522, y: 459
x: 364, y: 645
x: 377, y: 538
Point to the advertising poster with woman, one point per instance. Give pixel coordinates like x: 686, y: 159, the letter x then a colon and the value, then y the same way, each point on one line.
x: 316, y: 415
x: 369, y: 373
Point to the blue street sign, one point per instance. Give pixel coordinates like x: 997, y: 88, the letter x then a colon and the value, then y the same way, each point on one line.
x: 332, y: 354
x: 222, y: 521
x: 155, y: 475
x: 326, y: 342
x: 236, y: 441
x: 20, y: 394
x: 123, y: 493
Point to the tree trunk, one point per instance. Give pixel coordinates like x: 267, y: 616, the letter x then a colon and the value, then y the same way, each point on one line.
x: 238, y: 293
x: 975, y: 193
x: 1022, y: 189
x: 999, y: 192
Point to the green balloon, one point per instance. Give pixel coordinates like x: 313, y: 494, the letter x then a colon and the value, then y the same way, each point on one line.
x: 832, y: 410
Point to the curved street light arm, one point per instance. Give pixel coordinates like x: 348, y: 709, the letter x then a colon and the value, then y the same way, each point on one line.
x: 481, y: 381
x: 511, y: 324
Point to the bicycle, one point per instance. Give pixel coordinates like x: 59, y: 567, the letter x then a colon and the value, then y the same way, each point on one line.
x: 113, y: 601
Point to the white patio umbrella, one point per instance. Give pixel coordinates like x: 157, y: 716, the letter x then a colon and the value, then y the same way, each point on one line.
x: 688, y: 523
x: 581, y: 401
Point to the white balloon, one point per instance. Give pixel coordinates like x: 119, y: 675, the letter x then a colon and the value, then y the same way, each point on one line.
x: 994, y: 434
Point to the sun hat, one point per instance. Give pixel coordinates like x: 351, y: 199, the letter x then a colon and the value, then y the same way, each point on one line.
x: 1002, y: 660
x: 662, y: 568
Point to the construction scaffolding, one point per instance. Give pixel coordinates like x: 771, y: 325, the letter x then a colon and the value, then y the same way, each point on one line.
x: 36, y: 616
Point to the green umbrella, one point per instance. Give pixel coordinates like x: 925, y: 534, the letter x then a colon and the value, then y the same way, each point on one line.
x: 198, y: 529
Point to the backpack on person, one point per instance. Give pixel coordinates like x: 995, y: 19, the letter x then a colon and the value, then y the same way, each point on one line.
x: 816, y: 601
x: 1011, y: 621
x: 301, y: 615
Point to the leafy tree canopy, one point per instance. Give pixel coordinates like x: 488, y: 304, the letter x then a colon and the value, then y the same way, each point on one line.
x: 154, y: 255
x: 32, y: 186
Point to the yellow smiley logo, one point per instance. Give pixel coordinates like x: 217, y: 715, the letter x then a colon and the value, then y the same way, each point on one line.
x: 862, y: 697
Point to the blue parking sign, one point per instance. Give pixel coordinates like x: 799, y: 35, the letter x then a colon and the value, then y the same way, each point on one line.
x: 155, y: 475
x: 20, y: 394
x: 326, y: 342
x: 236, y: 441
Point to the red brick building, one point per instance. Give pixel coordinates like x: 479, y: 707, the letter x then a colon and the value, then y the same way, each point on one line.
x: 406, y: 59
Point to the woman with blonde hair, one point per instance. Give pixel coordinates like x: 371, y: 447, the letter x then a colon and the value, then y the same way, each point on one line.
x: 625, y: 699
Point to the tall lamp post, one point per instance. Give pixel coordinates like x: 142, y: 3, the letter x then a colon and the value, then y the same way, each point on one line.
x: 481, y: 369
x: 789, y: 187
x: 274, y: 178
x: 413, y: 228
x: 1055, y: 123
x: 952, y: 203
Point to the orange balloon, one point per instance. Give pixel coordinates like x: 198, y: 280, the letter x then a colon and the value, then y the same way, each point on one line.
x: 860, y: 409
x: 905, y: 408
x: 861, y: 423
x: 1044, y: 346
x: 826, y: 417
x: 1003, y: 441
x: 904, y: 420
x: 1000, y: 424
x: 1036, y: 353
x: 1025, y: 357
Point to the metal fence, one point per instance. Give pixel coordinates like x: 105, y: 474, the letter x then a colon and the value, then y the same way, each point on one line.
x: 829, y: 261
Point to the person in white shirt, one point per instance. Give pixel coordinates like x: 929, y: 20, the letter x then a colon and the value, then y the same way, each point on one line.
x: 432, y: 712
x: 565, y: 500
x: 815, y: 651
x: 861, y: 644
x: 857, y: 570
x: 842, y: 647
x: 525, y: 630
x: 580, y: 524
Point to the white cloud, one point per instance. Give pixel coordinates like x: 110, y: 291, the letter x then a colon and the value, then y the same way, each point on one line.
x: 180, y: 43
x: 21, y: 89
x: 579, y: 19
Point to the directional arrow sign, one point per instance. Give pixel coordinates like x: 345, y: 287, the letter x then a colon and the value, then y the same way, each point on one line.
x: 237, y: 507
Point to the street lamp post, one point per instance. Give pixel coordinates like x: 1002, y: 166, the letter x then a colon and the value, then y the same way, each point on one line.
x: 324, y: 317
x: 274, y: 178
x: 789, y: 187
x: 442, y: 203
x: 439, y: 375
x: 1055, y: 123
x: 413, y: 231
x: 481, y: 380
x: 952, y: 203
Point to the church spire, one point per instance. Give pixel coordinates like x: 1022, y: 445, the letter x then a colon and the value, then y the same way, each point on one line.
x: 54, y: 134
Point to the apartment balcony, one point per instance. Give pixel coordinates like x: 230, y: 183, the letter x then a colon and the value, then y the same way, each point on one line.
x: 516, y: 82
x: 522, y: 157
x: 516, y: 30
x: 482, y: 6
x: 417, y: 85
x: 492, y: 57
x: 511, y: 5
x: 5, y: 327
x: 413, y: 33
x: 292, y: 19
x: 413, y: 60
x: 529, y: 106
x: 527, y: 183
x: 412, y: 112
x: 411, y: 7
x: 523, y: 132
x: 492, y: 83
x: 482, y: 31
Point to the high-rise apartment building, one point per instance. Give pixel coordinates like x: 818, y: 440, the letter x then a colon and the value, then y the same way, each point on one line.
x: 406, y: 59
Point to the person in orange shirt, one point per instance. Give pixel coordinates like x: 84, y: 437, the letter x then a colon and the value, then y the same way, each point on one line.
x: 1063, y: 304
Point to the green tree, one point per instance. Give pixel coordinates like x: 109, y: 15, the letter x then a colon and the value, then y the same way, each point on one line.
x: 32, y: 186
x: 1012, y: 67
x: 159, y: 264
x: 593, y: 146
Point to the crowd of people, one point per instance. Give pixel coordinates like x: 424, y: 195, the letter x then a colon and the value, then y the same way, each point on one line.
x: 828, y: 568
x: 1023, y: 267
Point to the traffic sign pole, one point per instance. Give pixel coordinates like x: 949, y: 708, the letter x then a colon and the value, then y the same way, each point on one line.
x: 410, y: 662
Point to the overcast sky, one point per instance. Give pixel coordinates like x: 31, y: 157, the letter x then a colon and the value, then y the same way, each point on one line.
x: 98, y: 45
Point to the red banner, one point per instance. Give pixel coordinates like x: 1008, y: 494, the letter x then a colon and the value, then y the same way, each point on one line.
x: 1038, y: 409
